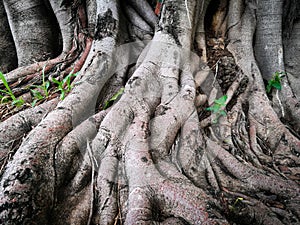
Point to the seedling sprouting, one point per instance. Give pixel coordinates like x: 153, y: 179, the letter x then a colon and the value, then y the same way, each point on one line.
x: 218, y: 107
x: 9, y: 94
x: 275, y: 82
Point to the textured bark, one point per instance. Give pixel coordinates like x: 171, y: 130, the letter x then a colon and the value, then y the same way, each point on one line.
x: 269, y: 55
x: 291, y: 47
x: 36, y: 41
x: 157, y: 155
x: 268, y: 40
x: 8, y: 59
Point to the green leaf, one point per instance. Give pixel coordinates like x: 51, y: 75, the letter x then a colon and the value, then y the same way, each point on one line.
x: 222, y: 113
x: 277, y: 79
x: 59, y: 83
x: 54, y: 80
x: 34, y: 102
x: 221, y: 100
x: 3, y: 79
x: 62, y: 95
x: 67, y: 79
x: 69, y: 83
x: 18, y: 102
x: 217, y: 107
x: 277, y: 85
x: 71, y: 74
x: 5, y: 92
x: 107, y: 104
x: 214, y: 108
x: 113, y: 98
x: 37, y: 94
x: 275, y: 82
x: 47, y: 85
x: 269, y: 87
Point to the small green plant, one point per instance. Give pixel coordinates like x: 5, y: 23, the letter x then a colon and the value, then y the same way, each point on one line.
x: 46, y: 84
x: 113, y: 98
x: 9, y: 94
x: 64, y: 86
x: 275, y: 82
x: 218, y: 107
x: 37, y: 95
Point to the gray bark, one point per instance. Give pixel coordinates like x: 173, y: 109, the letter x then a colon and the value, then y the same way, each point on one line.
x: 157, y: 155
x: 268, y: 39
x: 31, y: 30
x: 8, y: 57
x: 291, y: 58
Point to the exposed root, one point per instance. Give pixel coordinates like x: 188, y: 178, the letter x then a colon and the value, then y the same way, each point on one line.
x: 145, y: 10
x: 16, y: 127
x: 155, y: 156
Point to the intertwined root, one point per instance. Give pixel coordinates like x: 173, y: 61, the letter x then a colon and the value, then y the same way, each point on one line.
x: 148, y: 159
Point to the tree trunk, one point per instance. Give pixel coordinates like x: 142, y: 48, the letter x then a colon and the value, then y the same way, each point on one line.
x: 193, y: 139
x: 7, y: 48
x: 31, y: 29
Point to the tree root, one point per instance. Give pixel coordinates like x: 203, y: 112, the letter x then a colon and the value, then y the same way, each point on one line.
x: 149, y: 159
